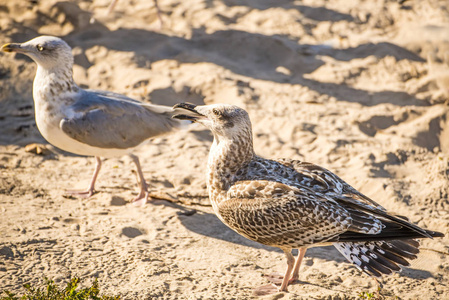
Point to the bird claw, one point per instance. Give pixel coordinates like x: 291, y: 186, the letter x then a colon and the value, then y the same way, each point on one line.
x: 140, y: 200
x: 275, y: 277
x: 139, y: 203
x: 83, y: 194
x: 293, y: 279
x: 266, y: 290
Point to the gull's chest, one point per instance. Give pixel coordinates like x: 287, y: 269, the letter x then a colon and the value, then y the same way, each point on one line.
x: 50, y: 109
x: 48, y: 112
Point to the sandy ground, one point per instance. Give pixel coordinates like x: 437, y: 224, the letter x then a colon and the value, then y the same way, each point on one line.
x: 343, y: 84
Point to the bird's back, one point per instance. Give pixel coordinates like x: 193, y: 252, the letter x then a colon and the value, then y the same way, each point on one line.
x: 109, y: 120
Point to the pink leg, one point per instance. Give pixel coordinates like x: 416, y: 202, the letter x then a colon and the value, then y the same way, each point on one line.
x: 159, y: 15
x: 111, y: 7
x: 295, y: 275
x: 290, y: 263
x: 91, y: 189
x: 271, y: 288
x: 141, y: 199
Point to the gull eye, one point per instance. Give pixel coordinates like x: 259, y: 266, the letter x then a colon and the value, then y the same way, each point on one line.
x: 216, y: 112
x: 40, y: 48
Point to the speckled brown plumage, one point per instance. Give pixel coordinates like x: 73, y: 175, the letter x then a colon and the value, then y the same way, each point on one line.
x: 292, y: 204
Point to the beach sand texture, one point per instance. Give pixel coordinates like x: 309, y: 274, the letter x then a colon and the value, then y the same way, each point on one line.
x: 343, y: 84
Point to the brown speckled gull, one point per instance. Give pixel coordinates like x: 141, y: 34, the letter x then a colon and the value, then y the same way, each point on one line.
x: 88, y: 122
x: 291, y: 204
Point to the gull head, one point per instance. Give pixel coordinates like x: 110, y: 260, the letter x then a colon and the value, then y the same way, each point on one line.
x: 48, y: 52
x: 224, y: 120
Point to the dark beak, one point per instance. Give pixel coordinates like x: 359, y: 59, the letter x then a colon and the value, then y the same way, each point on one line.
x: 193, y: 115
x: 12, y: 47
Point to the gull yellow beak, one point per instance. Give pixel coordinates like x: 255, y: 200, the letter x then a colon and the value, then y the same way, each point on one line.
x: 11, y: 47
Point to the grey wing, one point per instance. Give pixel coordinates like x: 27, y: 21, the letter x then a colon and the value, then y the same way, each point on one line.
x: 106, y: 121
x: 112, y: 95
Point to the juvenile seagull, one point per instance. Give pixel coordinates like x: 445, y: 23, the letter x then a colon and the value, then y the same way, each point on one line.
x: 291, y: 204
x: 88, y: 122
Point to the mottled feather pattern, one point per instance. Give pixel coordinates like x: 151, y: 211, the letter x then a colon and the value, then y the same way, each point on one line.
x: 329, y: 186
x: 294, y: 221
x: 236, y: 173
x: 323, y: 180
x: 364, y: 223
x: 269, y: 178
x: 245, y: 195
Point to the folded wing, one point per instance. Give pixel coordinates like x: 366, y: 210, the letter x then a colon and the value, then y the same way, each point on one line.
x: 109, y: 120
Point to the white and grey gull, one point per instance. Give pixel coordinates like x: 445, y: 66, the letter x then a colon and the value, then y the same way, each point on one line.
x: 296, y: 205
x: 88, y: 122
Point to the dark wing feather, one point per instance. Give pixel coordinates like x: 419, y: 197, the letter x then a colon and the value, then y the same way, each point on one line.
x: 324, y: 181
x: 345, y: 195
x: 379, y: 257
x: 390, y: 231
x: 381, y: 214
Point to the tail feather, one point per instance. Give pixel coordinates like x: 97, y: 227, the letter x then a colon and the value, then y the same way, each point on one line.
x: 377, y: 268
x: 379, y: 257
x: 392, y: 219
x: 382, y: 251
x: 400, y: 248
x: 413, y: 243
x: 394, y: 258
x: 390, y: 261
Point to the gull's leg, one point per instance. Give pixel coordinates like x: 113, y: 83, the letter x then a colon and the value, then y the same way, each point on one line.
x: 290, y: 263
x: 111, y: 6
x: 271, y: 288
x: 91, y: 189
x: 295, y: 274
x: 159, y: 15
x: 278, y: 278
x: 141, y: 199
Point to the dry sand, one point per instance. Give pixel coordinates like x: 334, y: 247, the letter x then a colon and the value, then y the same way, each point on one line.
x: 343, y: 84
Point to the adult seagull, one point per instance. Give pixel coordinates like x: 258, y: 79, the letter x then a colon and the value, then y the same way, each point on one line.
x: 88, y: 122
